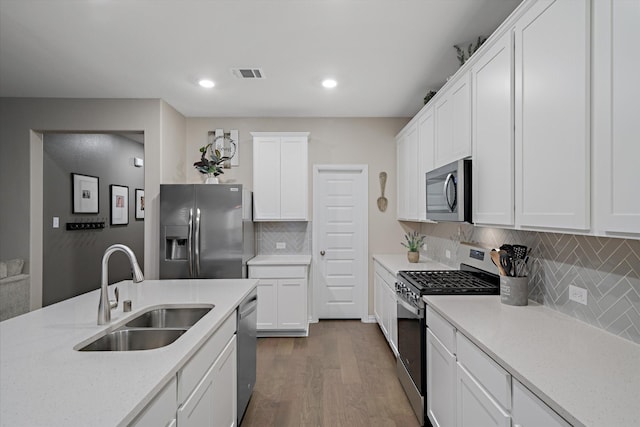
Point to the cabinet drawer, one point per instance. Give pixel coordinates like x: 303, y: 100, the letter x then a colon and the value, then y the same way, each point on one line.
x: 530, y: 411
x: 485, y: 370
x: 277, y: 272
x: 162, y: 409
x: 442, y: 329
x: 387, y: 277
x: 197, y: 366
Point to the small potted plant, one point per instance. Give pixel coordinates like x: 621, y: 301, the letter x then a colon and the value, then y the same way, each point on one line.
x: 210, y: 163
x: 413, y: 242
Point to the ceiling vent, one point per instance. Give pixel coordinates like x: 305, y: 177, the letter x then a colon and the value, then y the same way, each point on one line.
x: 248, y: 73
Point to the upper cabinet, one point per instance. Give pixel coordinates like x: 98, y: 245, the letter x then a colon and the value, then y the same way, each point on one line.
x: 615, y: 116
x: 552, y: 106
x: 426, y: 148
x: 493, y: 161
x: 453, y: 122
x: 407, y: 156
x: 280, y: 176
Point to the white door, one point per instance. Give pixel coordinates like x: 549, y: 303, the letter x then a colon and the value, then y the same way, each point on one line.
x: 340, y: 218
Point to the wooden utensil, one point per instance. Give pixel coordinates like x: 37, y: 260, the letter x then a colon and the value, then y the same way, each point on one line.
x: 495, y: 257
x: 382, y: 201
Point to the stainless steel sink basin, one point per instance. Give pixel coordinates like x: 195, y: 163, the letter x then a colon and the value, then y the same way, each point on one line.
x: 134, y: 339
x: 170, y: 317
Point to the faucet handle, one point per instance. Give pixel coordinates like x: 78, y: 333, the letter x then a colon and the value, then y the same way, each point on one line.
x: 114, y: 304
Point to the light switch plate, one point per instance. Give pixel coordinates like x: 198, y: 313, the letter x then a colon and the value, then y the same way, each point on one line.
x: 56, y: 222
x: 578, y: 294
x: 447, y: 253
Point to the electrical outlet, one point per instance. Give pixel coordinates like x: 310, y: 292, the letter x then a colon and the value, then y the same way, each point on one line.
x: 424, y: 246
x: 578, y: 294
x: 281, y: 245
x: 447, y: 253
x: 56, y: 222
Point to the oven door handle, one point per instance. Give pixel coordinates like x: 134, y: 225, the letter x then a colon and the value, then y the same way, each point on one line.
x: 414, y: 310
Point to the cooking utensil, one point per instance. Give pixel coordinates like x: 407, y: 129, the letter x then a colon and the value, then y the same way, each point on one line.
x: 506, y: 262
x: 495, y: 257
x: 519, y: 251
x: 382, y: 201
x: 520, y: 268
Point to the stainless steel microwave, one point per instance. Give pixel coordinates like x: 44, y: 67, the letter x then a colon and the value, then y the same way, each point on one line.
x: 449, y: 192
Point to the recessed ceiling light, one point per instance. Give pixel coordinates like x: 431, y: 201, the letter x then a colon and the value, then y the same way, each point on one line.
x: 329, y: 83
x: 206, y: 83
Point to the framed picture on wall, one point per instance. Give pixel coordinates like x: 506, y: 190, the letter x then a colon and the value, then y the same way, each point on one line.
x: 119, y: 204
x: 139, y: 203
x: 84, y: 193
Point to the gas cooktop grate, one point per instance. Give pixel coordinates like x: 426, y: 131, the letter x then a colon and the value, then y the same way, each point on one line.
x: 448, y: 281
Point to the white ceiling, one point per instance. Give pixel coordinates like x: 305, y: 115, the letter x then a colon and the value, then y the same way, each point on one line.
x: 385, y: 54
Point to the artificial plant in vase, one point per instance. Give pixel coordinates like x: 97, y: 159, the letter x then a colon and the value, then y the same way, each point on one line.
x: 413, y: 242
x: 210, y: 163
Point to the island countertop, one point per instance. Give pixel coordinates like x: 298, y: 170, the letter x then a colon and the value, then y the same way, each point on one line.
x: 45, y: 382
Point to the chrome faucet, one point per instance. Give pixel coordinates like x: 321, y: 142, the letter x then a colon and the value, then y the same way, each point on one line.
x: 105, y: 306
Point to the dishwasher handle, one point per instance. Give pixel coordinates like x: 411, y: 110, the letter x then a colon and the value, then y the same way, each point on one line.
x: 248, y: 308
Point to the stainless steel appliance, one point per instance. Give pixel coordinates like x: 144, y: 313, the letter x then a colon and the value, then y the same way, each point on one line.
x: 449, y: 192
x: 247, y: 347
x: 477, y: 276
x: 205, y: 231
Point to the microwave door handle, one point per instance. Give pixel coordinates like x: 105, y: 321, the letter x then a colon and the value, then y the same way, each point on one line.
x: 190, y: 243
x: 196, y: 246
x: 450, y: 180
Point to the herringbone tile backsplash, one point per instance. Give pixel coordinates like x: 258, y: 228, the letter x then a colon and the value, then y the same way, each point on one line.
x: 295, y: 235
x: 608, y: 268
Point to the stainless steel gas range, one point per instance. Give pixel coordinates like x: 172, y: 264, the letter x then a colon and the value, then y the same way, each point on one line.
x: 477, y: 276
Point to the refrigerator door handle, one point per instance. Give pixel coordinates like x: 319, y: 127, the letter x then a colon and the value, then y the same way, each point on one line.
x: 189, y: 243
x: 196, y: 246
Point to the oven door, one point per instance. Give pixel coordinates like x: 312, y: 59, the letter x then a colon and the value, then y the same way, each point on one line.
x: 411, y: 342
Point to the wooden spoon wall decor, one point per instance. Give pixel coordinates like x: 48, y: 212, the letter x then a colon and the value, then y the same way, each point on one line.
x: 382, y: 201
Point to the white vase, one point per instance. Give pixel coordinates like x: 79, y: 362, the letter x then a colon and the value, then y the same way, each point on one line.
x: 211, y: 179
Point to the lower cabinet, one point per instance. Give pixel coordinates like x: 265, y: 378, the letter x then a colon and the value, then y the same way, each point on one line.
x: 282, y: 299
x: 161, y: 412
x: 441, y: 390
x: 384, y: 303
x: 475, y: 405
x: 529, y: 411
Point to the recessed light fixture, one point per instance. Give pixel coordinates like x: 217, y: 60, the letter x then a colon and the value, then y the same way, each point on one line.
x: 206, y: 83
x: 329, y: 83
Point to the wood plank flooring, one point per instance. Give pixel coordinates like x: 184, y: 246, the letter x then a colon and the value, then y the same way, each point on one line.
x: 342, y: 375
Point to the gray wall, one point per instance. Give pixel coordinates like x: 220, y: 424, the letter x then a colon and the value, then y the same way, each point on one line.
x: 71, y: 263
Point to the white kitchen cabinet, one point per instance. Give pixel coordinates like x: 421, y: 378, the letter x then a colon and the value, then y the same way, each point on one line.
x: 441, y: 383
x: 280, y: 176
x: 282, y: 299
x: 213, y: 402
x: 493, y: 136
x: 407, y: 153
x: 529, y: 411
x: 475, y: 407
x: 161, y: 412
x: 552, y: 105
x: 426, y: 149
x: 615, y: 95
x: 453, y: 122
x: 385, y: 304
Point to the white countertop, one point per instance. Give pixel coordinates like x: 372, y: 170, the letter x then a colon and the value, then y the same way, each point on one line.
x: 45, y: 382
x: 397, y: 262
x: 587, y: 375
x: 280, y: 260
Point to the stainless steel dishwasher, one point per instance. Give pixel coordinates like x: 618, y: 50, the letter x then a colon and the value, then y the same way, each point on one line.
x: 247, y: 346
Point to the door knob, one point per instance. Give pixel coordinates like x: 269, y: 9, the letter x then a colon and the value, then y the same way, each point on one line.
x: 322, y: 253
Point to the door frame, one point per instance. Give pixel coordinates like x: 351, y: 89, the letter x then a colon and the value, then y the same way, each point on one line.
x: 362, y: 247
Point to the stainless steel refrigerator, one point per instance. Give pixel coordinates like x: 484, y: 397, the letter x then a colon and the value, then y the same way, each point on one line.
x: 206, y: 231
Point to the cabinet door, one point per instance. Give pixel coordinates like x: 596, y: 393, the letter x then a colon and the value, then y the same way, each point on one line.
x: 292, y: 304
x: 407, y: 151
x: 393, y: 318
x: 453, y: 123
x: 293, y: 178
x: 267, y: 316
x: 213, y: 402
x: 266, y: 178
x: 529, y: 411
x: 441, y: 383
x: 552, y: 65
x: 162, y: 409
x: 426, y: 149
x: 378, y: 300
x: 616, y: 93
x: 493, y: 163
x: 475, y: 408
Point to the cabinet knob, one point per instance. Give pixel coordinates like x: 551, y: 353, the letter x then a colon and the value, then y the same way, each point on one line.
x: 322, y: 253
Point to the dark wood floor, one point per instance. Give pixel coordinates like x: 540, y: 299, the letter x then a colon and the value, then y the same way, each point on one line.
x: 342, y: 374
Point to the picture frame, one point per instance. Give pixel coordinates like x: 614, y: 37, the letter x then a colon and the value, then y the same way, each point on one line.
x: 139, y: 203
x: 119, y: 196
x: 84, y: 194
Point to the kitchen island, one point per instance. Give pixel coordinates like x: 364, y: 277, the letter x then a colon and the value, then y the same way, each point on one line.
x: 44, y: 381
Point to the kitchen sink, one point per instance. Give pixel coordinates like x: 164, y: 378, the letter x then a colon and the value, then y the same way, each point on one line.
x: 169, y: 317
x: 134, y: 339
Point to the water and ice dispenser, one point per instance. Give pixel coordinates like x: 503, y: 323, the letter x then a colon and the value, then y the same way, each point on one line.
x: 176, y: 242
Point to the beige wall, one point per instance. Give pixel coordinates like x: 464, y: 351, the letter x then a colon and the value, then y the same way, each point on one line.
x: 368, y: 141
x: 22, y: 120
x: 173, y: 133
